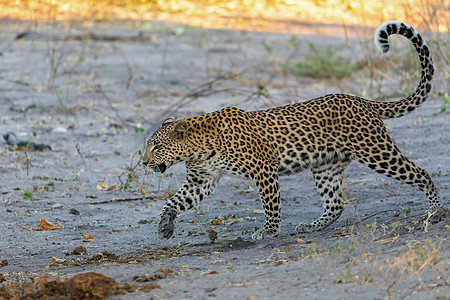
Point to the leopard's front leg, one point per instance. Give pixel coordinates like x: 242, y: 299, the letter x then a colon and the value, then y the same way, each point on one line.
x: 267, y: 183
x: 199, y: 183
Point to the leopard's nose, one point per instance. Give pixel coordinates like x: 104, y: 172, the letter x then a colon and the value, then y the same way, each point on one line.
x: 145, y: 163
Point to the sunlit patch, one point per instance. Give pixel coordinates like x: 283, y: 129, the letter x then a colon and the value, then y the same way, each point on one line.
x: 257, y: 15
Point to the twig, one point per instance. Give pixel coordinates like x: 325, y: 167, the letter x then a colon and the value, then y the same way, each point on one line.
x: 404, y: 218
x: 27, y: 161
x: 65, y: 109
x: 130, y: 72
x: 388, y: 290
x: 203, y: 90
x: 130, y: 169
x: 386, y: 211
x: 87, y: 36
x: 163, y: 61
x: 55, y: 56
x: 99, y: 88
x: 348, y: 199
x: 380, y: 212
x: 11, y: 139
x: 81, y: 155
x: 20, y: 82
x: 262, y: 92
x: 126, y: 200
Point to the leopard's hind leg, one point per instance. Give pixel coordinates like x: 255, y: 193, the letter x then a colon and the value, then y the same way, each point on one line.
x: 385, y: 158
x: 326, y: 177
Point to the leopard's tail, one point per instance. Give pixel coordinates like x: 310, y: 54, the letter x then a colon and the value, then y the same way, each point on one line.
x: 406, y: 105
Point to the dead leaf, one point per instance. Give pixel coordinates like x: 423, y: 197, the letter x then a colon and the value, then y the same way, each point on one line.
x: 4, y: 263
x: 55, y: 260
x: 215, y: 222
x: 151, y: 286
x: 46, y: 225
x: 209, y: 272
x: 166, y: 196
x: 287, y: 249
x: 103, y: 186
x: 143, y: 192
x: 388, y: 240
x: 212, y: 235
x: 88, y: 238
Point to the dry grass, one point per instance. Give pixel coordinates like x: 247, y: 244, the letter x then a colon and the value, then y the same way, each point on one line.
x: 387, y: 270
x: 257, y: 15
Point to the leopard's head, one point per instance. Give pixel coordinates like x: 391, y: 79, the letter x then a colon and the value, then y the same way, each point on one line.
x: 166, y: 146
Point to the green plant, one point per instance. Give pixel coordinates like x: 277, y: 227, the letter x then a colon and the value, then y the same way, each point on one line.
x: 321, y: 64
x: 437, y: 174
x: 27, y: 195
x: 229, y: 265
x: 338, y: 247
x: 144, y: 221
x: 50, y: 187
x: 173, y: 192
x: 312, y: 250
x: 351, y: 248
x: 445, y: 103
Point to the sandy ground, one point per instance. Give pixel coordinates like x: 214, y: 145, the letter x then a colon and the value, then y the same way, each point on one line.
x: 95, y: 113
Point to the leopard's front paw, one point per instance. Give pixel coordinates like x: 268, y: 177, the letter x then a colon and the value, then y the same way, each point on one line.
x: 264, y: 233
x: 166, y: 226
x: 304, y: 228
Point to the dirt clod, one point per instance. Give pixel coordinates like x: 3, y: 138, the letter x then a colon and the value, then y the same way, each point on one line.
x: 158, y: 274
x: 78, y: 251
x: 91, y: 286
x: 104, y: 256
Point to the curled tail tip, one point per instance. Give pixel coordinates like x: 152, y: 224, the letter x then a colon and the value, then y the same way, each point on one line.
x: 387, y: 29
x: 423, y: 90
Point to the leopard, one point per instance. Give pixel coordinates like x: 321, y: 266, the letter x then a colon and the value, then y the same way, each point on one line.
x: 323, y: 134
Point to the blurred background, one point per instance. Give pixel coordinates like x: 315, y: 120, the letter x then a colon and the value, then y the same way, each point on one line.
x: 257, y: 15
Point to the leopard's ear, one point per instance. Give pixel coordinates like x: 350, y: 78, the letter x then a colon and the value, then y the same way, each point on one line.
x: 180, y: 130
x: 167, y: 121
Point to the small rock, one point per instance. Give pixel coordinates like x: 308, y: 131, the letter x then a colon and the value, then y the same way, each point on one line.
x: 59, y: 129
x: 73, y: 211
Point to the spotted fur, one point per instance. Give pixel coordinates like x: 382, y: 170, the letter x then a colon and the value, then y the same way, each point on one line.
x: 323, y: 134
